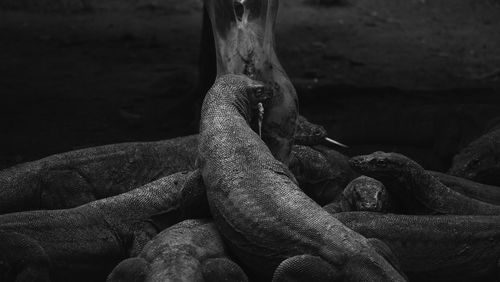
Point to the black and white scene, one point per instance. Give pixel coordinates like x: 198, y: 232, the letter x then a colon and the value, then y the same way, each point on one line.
x: 249, y: 140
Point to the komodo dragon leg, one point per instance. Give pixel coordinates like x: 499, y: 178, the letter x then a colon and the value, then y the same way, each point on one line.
x: 189, y: 251
x: 258, y: 208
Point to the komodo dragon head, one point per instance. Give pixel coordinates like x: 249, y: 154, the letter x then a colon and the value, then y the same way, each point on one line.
x: 366, y: 194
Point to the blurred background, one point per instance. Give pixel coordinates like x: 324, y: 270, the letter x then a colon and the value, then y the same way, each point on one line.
x: 417, y: 77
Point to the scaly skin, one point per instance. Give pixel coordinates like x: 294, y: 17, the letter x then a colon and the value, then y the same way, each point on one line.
x: 244, y: 43
x: 305, y: 268
x: 177, y: 254
x: 84, y: 243
x: 255, y: 201
x: 424, y: 187
x: 71, y: 179
x: 321, y: 173
x: 479, y: 191
x: 308, y: 133
x: 362, y: 194
x: 75, y: 178
x: 435, y: 248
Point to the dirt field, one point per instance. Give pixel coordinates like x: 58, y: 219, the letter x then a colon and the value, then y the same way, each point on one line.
x: 418, y: 77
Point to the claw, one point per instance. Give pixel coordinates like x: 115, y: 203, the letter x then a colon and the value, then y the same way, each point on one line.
x: 331, y: 141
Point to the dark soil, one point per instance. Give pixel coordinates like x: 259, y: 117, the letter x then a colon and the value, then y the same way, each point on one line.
x: 418, y: 77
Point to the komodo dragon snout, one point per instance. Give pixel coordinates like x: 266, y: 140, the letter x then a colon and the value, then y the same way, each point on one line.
x: 257, y: 92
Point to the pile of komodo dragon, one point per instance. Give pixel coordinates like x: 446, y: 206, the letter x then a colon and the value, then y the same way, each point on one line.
x: 255, y: 196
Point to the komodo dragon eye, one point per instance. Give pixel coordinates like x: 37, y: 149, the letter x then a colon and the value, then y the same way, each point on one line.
x: 259, y: 90
x: 260, y: 93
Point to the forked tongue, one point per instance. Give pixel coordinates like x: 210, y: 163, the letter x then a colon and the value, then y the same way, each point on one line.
x: 335, y: 142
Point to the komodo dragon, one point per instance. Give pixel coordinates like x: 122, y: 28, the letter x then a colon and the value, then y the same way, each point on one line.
x: 420, y: 184
x: 436, y: 248
x: 258, y: 208
x: 322, y: 173
x: 75, y: 178
x: 85, y: 243
x: 361, y: 194
x: 321, y: 170
x: 188, y: 251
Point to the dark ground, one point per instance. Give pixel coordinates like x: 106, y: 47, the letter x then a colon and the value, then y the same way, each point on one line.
x: 418, y: 77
